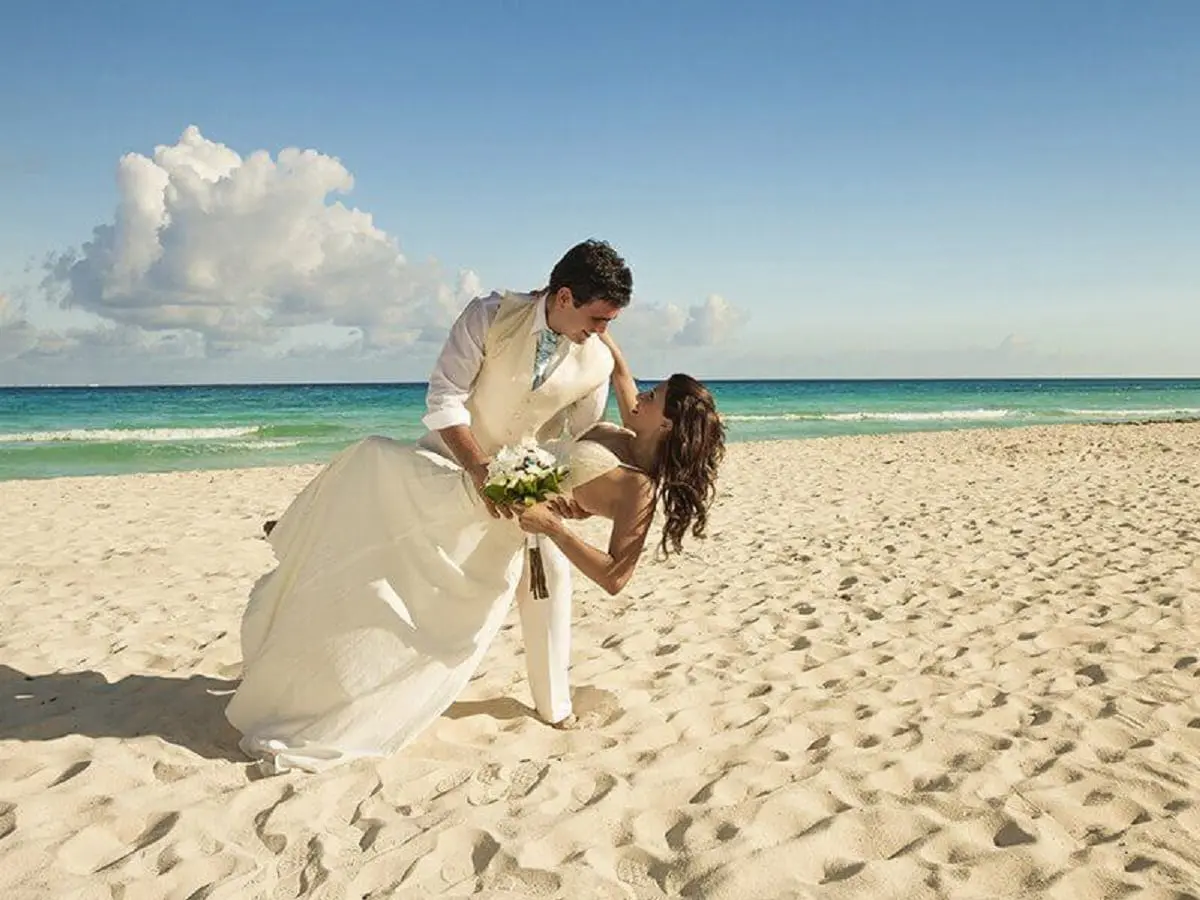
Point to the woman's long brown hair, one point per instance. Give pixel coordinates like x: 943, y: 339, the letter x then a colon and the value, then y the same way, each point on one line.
x: 685, y: 472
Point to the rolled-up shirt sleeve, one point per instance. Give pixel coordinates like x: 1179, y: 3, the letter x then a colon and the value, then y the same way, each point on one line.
x: 458, y: 365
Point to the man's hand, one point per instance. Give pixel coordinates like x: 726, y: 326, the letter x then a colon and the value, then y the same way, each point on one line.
x: 565, y: 507
x: 479, y: 476
x: 465, y: 449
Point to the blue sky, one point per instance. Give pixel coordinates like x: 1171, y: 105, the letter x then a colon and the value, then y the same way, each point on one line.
x: 868, y: 188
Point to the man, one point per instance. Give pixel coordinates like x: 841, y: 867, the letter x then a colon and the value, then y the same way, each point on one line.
x: 519, y: 366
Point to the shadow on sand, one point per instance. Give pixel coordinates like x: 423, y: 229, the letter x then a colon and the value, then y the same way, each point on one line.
x: 592, y: 707
x: 503, y: 709
x: 188, y: 712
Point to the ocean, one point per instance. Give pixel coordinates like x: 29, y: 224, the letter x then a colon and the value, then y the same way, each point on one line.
x: 55, y: 431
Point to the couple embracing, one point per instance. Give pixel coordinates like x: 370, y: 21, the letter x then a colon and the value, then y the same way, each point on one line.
x: 395, y: 571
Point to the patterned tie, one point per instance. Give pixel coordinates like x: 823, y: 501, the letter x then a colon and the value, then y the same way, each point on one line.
x: 547, y: 344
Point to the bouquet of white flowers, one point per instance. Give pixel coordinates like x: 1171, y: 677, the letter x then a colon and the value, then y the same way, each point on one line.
x: 523, y: 475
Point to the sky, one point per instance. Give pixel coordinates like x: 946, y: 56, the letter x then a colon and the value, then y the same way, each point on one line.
x: 227, y: 192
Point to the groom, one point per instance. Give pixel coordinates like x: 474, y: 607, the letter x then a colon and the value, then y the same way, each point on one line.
x: 519, y: 366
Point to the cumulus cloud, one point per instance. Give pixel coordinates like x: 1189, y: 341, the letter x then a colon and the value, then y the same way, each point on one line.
x: 709, y: 323
x: 216, y: 264
x: 235, y: 251
x: 705, y: 324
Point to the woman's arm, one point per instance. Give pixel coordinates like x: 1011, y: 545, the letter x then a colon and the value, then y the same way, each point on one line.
x: 632, y: 512
x: 623, y: 384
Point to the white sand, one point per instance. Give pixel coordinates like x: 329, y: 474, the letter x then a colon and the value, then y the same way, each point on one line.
x: 940, y: 665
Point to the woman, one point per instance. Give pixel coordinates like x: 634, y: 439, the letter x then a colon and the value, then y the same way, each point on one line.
x: 393, y: 579
x: 671, y: 444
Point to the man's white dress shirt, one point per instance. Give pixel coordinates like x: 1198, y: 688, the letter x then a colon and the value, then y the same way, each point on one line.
x: 462, y: 356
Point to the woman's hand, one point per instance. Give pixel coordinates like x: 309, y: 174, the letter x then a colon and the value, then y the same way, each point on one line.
x: 538, y: 519
x: 607, y: 339
x: 567, y: 507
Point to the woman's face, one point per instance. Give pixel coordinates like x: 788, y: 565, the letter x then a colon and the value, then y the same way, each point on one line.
x: 649, y: 413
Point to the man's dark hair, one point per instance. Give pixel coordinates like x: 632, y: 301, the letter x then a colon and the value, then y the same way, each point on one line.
x: 593, y: 270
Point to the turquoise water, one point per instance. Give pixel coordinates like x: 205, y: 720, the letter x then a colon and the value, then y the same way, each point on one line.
x: 47, y: 432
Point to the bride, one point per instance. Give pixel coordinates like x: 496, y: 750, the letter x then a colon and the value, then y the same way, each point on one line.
x: 393, y: 579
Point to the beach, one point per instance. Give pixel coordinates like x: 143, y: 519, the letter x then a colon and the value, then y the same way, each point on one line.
x: 943, y: 664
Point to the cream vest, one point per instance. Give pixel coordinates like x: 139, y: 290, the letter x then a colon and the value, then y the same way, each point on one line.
x: 504, y: 406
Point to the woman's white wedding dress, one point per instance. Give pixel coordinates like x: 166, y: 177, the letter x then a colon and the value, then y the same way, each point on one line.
x: 392, y: 580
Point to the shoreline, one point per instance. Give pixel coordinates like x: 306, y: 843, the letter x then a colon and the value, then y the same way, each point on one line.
x: 1000, y: 429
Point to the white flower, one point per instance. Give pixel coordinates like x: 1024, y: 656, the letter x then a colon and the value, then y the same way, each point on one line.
x: 519, y: 469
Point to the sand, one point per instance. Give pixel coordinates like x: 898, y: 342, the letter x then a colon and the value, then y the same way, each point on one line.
x: 936, y: 665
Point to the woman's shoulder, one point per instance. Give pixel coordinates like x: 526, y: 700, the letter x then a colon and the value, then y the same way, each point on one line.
x: 592, y: 462
x: 590, y: 459
x: 606, y: 441
x: 604, y: 429
x: 589, y: 451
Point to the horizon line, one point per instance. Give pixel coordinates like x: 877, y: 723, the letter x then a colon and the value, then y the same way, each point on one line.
x: 774, y: 379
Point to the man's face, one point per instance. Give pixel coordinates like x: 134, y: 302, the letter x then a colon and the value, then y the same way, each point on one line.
x: 578, y: 323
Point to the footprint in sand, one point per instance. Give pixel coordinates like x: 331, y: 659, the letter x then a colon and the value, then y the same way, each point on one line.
x: 595, y: 707
x: 71, y: 771
x: 154, y: 832
x: 676, y: 834
x: 167, y: 773
x: 8, y: 819
x: 1039, y: 716
x: 525, y: 779
x: 643, y: 872
x: 494, y: 782
x: 840, y: 871
x: 488, y: 785
x: 451, y: 782
x: 529, y: 883
x: 371, y: 829
x: 589, y: 794
x: 1012, y: 835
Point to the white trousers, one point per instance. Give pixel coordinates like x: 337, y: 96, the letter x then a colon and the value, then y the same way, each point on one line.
x: 546, y: 630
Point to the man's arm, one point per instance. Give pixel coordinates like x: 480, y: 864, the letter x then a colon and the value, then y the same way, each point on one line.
x: 450, y: 385
x: 460, y: 441
x: 457, y: 365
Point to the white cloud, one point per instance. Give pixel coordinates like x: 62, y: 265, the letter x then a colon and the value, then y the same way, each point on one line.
x: 649, y: 324
x: 218, y: 266
x: 236, y: 251
x: 707, y: 324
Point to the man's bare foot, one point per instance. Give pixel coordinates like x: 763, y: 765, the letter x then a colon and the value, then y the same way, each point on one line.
x: 570, y: 723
